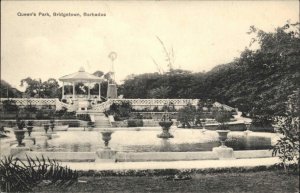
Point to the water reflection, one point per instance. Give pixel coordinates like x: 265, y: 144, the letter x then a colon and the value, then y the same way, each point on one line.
x: 146, y: 141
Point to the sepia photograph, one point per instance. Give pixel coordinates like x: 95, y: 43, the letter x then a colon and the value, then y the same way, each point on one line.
x: 150, y: 96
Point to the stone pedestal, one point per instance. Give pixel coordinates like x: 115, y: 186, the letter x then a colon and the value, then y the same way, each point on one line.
x: 28, y: 142
x: 53, y: 135
x: 40, y: 139
x: 247, y: 132
x: 223, y: 152
x: 106, y: 155
x: 14, y: 150
x: 112, y: 91
x: 30, y: 138
x: 48, y: 135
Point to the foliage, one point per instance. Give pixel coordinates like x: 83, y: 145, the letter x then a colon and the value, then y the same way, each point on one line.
x: 61, y: 112
x: 257, y: 83
x: 287, y: 147
x: 135, y: 123
x: 186, y: 115
x: 30, y: 123
x: 20, y: 123
x: 30, y: 108
x: 160, y: 92
x: 84, y: 117
x: 136, y: 116
x: 10, y: 105
x: 6, y: 90
x: 262, y: 121
x: 222, y: 117
x: 44, y: 113
x: 37, y: 88
x: 68, y: 115
x: 18, y: 176
x: 120, y: 110
x: 3, y: 131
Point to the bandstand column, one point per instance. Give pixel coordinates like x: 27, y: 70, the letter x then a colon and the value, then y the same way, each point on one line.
x: 99, y: 91
x: 73, y: 90
x: 89, y: 91
x: 63, y: 90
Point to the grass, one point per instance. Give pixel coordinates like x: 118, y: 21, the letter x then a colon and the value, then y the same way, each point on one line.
x: 268, y: 180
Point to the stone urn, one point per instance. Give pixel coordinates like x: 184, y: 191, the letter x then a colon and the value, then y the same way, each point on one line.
x: 20, y: 134
x: 89, y: 104
x: 52, y: 125
x: 223, y: 136
x: 203, y: 127
x: 165, y: 125
x: 29, y: 130
x: 248, y: 125
x: 46, y: 128
x: 106, y: 137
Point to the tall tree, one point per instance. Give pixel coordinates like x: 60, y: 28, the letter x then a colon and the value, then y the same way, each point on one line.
x: 37, y: 88
x: 7, y: 91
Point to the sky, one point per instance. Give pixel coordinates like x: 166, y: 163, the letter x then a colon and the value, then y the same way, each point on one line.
x: 202, y: 35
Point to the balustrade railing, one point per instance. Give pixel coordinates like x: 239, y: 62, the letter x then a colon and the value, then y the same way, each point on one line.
x: 146, y: 103
x: 159, y: 102
x: 136, y: 103
x: 32, y: 101
x: 81, y: 96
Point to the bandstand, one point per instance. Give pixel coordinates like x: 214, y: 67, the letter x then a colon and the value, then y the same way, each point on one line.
x: 82, y: 100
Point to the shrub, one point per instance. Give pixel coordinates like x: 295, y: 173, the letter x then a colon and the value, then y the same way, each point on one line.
x: 17, y: 176
x: 10, y: 105
x: 135, y: 123
x: 30, y: 108
x: 262, y: 121
x: 288, y: 147
x: 222, y: 117
x: 69, y: 115
x: 84, y: 117
x: 30, y: 123
x: 60, y: 112
x: 156, y: 109
x: 20, y: 123
x: 186, y: 115
x: 120, y: 110
x: 137, y: 116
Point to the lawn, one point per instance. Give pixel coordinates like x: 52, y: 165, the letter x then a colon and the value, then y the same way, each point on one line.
x: 222, y: 181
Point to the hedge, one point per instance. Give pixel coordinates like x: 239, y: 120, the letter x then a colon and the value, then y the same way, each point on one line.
x: 135, y: 123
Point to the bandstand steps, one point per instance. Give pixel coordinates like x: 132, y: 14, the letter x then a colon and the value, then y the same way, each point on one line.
x: 101, y: 121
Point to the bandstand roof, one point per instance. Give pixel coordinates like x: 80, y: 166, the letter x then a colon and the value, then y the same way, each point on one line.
x: 80, y: 76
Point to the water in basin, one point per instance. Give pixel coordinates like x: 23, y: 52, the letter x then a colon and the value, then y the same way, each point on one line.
x: 185, y: 140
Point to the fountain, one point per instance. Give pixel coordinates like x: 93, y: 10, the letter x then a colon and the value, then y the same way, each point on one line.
x: 52, y: 125
x: 203, y: 126
x: 106, y: 153
x: 20, y: 134
x: 29, y: 128
x: 165, y: 124
x: 248, y: 125
x: 106, y: 137
x: 223, y: 152
x: 46, y: 128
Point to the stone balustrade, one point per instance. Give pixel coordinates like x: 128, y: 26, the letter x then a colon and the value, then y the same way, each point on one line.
x: 138, y: 104
x: 32, y: 101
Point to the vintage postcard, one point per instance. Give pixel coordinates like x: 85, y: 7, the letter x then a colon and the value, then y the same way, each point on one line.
x: 149, y: 96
